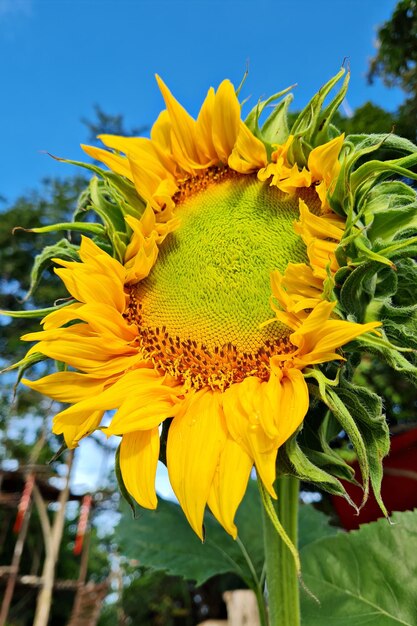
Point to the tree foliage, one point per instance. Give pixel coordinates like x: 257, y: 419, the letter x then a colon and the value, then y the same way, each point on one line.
x: 396, y: 62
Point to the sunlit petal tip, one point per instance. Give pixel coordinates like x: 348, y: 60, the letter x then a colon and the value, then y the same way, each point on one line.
x: 139, y: 452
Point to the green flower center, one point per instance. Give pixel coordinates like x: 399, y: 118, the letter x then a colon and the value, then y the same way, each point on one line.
x: 209, y: 291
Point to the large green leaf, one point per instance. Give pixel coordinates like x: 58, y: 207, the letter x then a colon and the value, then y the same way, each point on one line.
x: 163, y: 540
x: 366, y: 577
x: 313, y: 525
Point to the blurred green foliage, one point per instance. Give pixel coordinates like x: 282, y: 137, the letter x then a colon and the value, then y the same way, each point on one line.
x: 396, y: 62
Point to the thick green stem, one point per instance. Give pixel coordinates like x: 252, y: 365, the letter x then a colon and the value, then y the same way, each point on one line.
x: 281, y: 568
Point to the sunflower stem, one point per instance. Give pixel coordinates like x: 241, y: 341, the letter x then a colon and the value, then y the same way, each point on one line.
x: 282, y: 564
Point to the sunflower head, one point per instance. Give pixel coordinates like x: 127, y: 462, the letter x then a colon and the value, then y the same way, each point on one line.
x: 232, y: 263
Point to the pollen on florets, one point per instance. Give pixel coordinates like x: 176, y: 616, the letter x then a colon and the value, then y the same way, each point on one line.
x: 193, y: 184
x: 193, y: 364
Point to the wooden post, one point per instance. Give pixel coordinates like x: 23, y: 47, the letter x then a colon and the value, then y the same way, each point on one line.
x: 242, y: 608
x: 14, y: 568
x: 43, y: 605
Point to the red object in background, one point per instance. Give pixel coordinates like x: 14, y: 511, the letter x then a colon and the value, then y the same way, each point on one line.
x: 82, y: 523
x: 24, y: 502
x: 399, y: 484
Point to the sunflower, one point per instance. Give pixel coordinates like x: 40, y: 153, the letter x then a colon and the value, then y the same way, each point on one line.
x: 215, y: 300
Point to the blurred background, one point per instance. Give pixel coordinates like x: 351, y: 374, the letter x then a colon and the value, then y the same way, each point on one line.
x: 70, y: 70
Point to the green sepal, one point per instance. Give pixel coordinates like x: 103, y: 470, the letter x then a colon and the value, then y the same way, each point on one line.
x: 366, y: 409
x: 390, y: 208
x: 389, y: 142
x: 110, y: 212
x: 134, y: 204
x: 348, y: 200
x: 313, y: 459
x: 63, y: 249
x: 112, y: 216
x: 275, y: 128
x: 122, y: 487
x: 372, y: 172
x: 80, y: 227
x: 358, y: 412
x: 62, y: 448
x: 24, y: 364
x: 295, y: 461
x: 391, y: 354
x: 35, y: 313
x: 332, y: 400
x: 358, y: 289
x: 311, y: 128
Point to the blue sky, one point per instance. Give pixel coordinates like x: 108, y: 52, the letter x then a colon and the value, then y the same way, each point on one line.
x: 60, y: 57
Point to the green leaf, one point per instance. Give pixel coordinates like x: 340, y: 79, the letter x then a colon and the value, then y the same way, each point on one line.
x: 367, y: 577
x: 313, y: 525
x: 163, y: 539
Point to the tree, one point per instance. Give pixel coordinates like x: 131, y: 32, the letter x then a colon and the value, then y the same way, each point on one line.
x: 396, y: 62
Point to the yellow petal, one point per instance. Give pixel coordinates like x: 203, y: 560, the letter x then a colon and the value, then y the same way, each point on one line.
x: 135, y: 384
x: 139, y: 452
x: 229, y: 484
x: 91, y: 356
x: 318, y: 336
x: 141, y: 252
x: 92, y: 286
x: 91, y: 351
x: 226, y: 120
x: 144, y: 410
x: 294, y: 403
x: 323, y: 162
x: 118, y: 164
x: 161, y: 132
x: 183, y: 129
x: 61, y: 316
x: 143, y: 150
x: 325, y: 226
x: 74, y: 430
x: 243, y: 423
x: 196, y: 437
x: 205, y: 143
x: 248, y: 154
x: 99, y: 278
x: 67, y: 386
